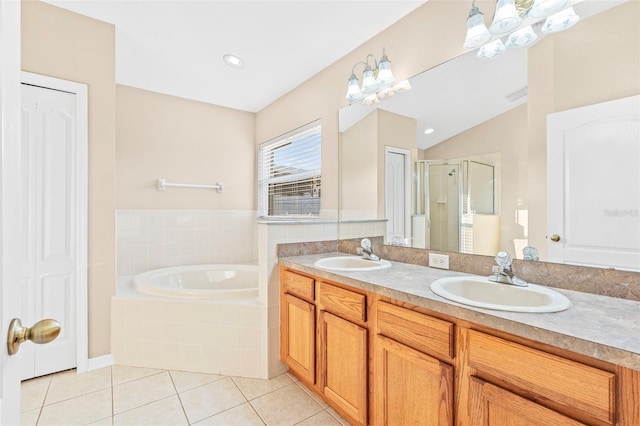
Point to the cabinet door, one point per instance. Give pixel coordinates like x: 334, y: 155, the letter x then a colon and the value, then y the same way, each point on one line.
x: 297, y: 339
x: 410, y: 388
x: 343, y: 365
x: 492, y: 405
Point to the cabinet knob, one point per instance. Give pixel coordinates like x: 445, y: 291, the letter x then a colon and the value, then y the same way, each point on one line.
x: 555, y: 238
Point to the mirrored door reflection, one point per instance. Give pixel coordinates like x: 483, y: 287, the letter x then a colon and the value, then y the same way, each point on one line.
x: 456, y: 206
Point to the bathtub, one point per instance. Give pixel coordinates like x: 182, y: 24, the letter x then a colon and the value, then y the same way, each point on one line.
x: 215, y: 281
x: 198, y: 318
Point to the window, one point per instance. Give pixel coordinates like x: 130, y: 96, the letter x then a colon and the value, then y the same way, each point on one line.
x: 289, y: 174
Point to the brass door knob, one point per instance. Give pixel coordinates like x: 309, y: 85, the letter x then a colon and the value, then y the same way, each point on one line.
x: 42, y: 332
x: 555, y: 238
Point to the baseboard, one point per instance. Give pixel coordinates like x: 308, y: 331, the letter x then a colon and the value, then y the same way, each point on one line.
x: 100, y: 362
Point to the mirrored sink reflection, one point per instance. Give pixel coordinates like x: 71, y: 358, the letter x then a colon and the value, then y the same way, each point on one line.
x: 351, y: 264
x: 482, y: 293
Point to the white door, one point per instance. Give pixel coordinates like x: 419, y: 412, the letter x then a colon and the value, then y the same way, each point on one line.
x: 9, y: 155
x: 48, y: 251
x: 397, y: 194
x: 594, y: 216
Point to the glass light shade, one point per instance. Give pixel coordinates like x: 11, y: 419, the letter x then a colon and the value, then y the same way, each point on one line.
x: 369, y: 84
x: 560, y: 21
x: 402, y: 86
x: 544, y: 8
x: 371, y: 100
x: 506, y: 17
x: 385, y: 77
x: 477, y: 32
x: 353, y: 90
x: 491, y: 50
x: 523, y: 37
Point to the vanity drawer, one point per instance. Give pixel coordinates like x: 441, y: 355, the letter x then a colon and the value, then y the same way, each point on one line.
x: 565, y: 382
x: 345, y: 303
x: 426, y: 334
x: 299, y: 285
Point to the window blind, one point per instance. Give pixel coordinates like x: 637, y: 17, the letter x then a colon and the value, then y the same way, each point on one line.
x: 289, y: 174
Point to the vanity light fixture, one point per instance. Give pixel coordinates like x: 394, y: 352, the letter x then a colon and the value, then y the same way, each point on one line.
x: 377, y: 82
x: 544, y: 8
x: 233, y: 61
x: 508, y: 17
x: 491, y: 50
x: 477, y: 32
x: 560, y: 21
x: 522, y: 37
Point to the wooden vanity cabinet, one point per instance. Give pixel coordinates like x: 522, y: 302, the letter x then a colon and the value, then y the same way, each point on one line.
x: 412, y: 371
x: 494, y: 406
x: 504, y: 379
x: 380, y: 361
x: 324, y: 340
x: 298, y: 325
x: 343, y: 342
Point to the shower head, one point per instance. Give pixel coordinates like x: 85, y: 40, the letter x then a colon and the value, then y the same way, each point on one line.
x: 452, y: 172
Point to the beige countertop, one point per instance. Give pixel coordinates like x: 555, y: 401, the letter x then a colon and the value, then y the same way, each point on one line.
x: 601, y: 327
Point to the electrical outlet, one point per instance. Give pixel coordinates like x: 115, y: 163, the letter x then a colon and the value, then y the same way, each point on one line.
x: 438, y: 261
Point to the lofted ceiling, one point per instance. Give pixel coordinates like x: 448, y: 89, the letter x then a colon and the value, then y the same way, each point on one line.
x: 176, y: 46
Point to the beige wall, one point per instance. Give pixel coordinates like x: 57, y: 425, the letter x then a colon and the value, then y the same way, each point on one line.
x: 505, y: 134
x: 417, y: 42
x: 184, y: 141
x: 69, y: 46
x: 362, y: 177
x: 588, y: 64
x: 360, y: 169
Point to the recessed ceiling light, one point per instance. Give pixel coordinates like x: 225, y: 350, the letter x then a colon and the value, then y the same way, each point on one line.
x: 428, y: 131
x: 233, y: 61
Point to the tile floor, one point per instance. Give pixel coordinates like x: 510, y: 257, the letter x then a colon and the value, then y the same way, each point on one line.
x: 121, y: 395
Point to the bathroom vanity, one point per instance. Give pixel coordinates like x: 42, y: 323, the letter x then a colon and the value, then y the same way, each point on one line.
x: 381, y: 348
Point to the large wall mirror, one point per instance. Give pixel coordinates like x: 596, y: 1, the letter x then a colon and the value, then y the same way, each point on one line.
x: 477, y: 182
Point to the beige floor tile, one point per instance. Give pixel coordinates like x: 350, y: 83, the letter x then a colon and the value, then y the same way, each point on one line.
x: 253, y: 388
x: 185, y: 380
x: 32, y: 394
x: 104, y: 422
x: 292, y: 377
x: 210, y: 399
x: 123, y: 374
x: 321, y: 419
x: 29, y: 418
x: 69, y: 385
x: 142, y: 391
x: 313, y: 396
x: 337, y: 416
x: 167, y: 412
x: 286, y: 406
x: 81, y: 410
x: 242, y: 415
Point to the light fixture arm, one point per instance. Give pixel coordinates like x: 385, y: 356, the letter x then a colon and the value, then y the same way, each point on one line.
x: 375, y: 64
x: 353, y: 70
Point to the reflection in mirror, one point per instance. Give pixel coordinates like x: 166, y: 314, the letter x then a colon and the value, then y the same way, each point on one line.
x: 477, y: 183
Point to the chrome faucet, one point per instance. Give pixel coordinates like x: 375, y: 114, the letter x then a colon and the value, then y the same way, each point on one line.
x: 503, y: 272
x: 366, y: 251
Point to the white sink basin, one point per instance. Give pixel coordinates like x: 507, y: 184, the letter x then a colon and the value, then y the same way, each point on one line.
x: 351, y: 264
x: 482, y: 293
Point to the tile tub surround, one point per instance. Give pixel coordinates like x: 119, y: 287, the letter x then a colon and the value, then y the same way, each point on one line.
x: 204, y: 336
x: 604, y: 282
x: 152, y: 239
x: 601, y: 327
